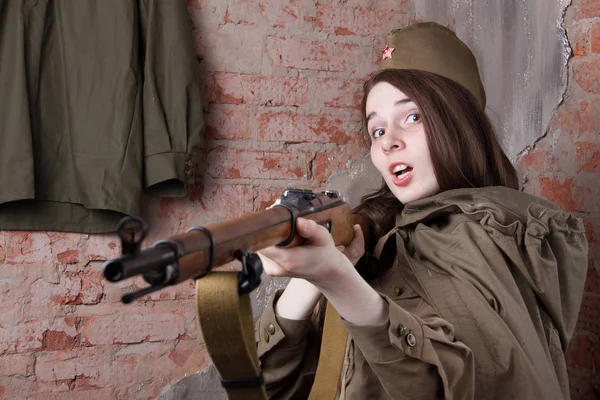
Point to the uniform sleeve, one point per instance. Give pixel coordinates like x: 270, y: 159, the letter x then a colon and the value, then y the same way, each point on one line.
x: 416, y: 357
x: 288, y: 352
x: 173, y: 120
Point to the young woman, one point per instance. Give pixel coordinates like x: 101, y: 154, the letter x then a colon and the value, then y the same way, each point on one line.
x: 477, y: 286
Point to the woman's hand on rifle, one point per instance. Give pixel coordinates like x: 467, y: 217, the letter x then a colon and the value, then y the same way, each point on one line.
x: 317, y: 259
x: 330, y: 270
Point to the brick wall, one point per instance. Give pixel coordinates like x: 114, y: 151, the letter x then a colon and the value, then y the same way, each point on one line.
x: 564, y: 167
x: 281, y: 84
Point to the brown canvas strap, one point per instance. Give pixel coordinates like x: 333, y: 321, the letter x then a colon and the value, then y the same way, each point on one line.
x: 225, y: 320
x: 331, y: 357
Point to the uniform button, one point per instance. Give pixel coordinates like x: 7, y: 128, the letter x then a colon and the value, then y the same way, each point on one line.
x: 397, y: 291
x: 271, y: 329
x: 190, y: 164
x: 189, y: 172
x: 411, y: 340
x: 403, y: 330
x: 266, y: 337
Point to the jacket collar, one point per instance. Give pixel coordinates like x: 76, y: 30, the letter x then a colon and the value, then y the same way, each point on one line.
x: 505, y: 204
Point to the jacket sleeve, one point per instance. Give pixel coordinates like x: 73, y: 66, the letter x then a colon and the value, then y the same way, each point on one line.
x: 173, y: 120
x: 288, y: 352
x: 415, y: 357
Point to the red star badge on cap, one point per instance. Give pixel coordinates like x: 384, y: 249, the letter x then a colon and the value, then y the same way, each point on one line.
x: 387, y: 52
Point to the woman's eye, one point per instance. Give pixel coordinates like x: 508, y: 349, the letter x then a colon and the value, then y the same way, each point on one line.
x: 414, y: 118
x: 378, y: 133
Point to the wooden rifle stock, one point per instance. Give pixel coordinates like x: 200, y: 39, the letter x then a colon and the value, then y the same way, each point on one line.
x: 194, y: 253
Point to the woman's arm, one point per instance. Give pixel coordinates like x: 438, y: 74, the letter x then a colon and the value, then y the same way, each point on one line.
x: 330, y: 271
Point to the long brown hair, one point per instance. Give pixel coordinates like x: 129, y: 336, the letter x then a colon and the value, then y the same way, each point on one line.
x: 465, y: 152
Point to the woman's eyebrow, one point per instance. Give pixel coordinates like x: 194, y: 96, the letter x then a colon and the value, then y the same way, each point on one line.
x: 399, y: 102
x: 403, y: 101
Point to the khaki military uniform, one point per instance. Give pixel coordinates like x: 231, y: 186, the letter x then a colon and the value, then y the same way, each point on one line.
x: 484, y: 291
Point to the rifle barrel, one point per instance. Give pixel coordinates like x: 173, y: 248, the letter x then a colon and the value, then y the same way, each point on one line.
x: 250, y: 232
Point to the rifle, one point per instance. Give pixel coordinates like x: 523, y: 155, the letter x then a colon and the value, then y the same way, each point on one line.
x: 222, y: 297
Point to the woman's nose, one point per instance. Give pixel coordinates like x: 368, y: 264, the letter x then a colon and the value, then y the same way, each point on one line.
x: 392, y: 141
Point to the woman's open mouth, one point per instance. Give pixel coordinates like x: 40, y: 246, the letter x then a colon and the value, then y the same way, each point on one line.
x: 402, y: 174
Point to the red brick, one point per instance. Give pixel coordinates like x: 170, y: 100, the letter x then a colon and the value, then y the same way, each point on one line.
x: 68, y: 257
x: 581, y: 387
x: 302, y: 128
x: 342, y: 93
x: 92, y: 289
x: 264, y: 198
x: 353, y: 59
x: 596, y: 358
x: 588, y: 157
x: 345, y: 20
x: 15, y: 287
x: 595, y: 37
x: 65, y: 246
x: 84, y: 369
x: 29, y: 335
x: 226, y: 201
x: 235, y: 164
x: 586, y: 9
x: 232, y: 48
x: 102, y: 247
x: 589, y: 314
x: 560, y: 192
x: 538, y: 159
x: 67, y: 291
x: 585, y: 196
x: 17, y: 364
x: 289, y: 14
x: 381, y: 4
x: 187, y: 354
x: 576, y: 117
x: 185, y: 359
x: 259, y: 90
x: 57, y: 340
x: 2, y: 245
x: 327, y: 163
x: 28, y: 248
x: 586, y: 72
x: 244, y: 12
x: 181, y: 291
x: 590, y: 232
x: 579, y: 36
x: 16, y: 387
x: 207, y: 14
x: 227, y: 122
x: 580, y: 350
x: 132, y: 328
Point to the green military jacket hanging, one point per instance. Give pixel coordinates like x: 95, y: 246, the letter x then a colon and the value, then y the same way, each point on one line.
x: 100, y: 102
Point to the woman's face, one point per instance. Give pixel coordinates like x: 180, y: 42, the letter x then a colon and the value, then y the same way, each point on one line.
x: 399, y: 148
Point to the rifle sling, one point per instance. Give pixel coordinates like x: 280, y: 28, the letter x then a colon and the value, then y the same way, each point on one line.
x: 331, y: 356
x: 225, y: 319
